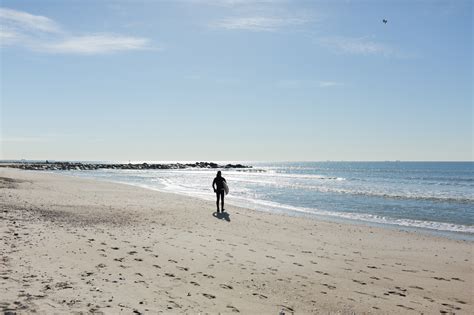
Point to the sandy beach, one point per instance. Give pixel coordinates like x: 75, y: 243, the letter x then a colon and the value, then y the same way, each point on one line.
x: 76, y: 245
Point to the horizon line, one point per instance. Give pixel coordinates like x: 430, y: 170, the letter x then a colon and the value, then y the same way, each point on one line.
x: 229, y: 161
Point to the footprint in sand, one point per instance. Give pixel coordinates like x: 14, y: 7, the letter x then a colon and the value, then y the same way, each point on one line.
x: 173, y: 304
x: 457, y: 279
x: 195, y: 283
x: 87, y: 273
x: 359, y: 282
x: 405, y: 307
x: 395, y: 293
x: 260, y: 295
x: 138, y: 259
x: 182, y: 268
x: 173, y: 261
x: 416, y: 287
x: 233, y: 309
x: 331, y: 287
x: 132, y: 252
x: 225, y: 286
x: 451, y: 306
x: 287, y: 308
x: 115, y: 248
x: 298, y: 264
x: 209, y: 296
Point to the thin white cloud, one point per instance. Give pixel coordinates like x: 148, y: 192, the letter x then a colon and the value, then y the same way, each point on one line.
x: 96, y: 44
x: 40, y: 33
x: 257, y: 23
x: 24, y: 20
x: 359, y: 46
x: 8, y: 37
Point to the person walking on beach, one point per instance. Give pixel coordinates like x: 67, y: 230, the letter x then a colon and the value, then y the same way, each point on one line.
x: 218, y: 186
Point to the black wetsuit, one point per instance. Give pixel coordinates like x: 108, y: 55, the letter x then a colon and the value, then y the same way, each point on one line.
x: 219, y: 182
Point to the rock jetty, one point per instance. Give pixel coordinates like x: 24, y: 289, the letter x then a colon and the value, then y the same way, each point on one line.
x: 73, y: 166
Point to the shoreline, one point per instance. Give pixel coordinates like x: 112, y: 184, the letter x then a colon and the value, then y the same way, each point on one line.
x: 271, y: 261
x: 336, y: 218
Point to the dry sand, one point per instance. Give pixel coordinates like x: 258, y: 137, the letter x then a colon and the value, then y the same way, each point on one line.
x: 74, y: 245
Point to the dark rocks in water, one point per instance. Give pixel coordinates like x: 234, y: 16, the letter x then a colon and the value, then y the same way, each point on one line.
x: 76, y: 166
x: 235, y: 166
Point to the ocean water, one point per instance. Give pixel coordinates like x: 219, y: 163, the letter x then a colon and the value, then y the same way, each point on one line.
x: 435, y: 196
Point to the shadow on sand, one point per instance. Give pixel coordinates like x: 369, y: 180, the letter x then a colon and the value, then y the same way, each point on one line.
x: 221, y: 216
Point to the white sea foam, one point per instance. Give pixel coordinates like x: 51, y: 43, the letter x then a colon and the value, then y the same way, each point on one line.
x: 291, y: 181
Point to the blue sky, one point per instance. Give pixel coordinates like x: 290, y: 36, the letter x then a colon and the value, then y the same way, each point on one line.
x: 236, y: 80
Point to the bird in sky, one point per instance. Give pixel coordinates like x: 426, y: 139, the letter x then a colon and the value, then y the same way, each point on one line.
x: 384, y: 21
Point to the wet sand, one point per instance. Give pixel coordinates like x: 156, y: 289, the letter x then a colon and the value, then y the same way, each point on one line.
x: 76, y: 245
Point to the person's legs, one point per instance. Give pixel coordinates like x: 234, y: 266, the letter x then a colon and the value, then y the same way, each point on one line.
x: 217, y: 200
x: 222, y: 200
